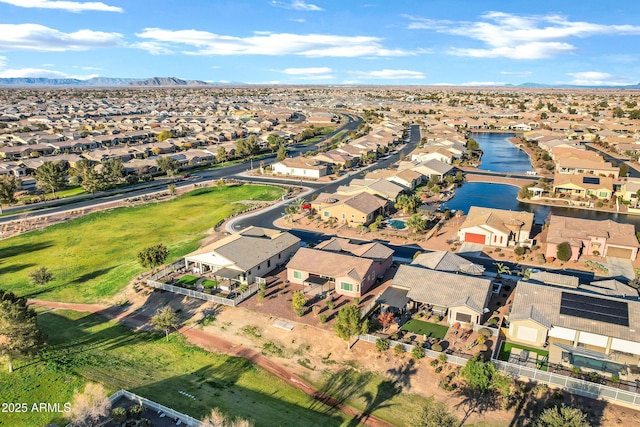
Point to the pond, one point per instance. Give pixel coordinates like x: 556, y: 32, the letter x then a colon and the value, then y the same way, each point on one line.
x: 499, y: 155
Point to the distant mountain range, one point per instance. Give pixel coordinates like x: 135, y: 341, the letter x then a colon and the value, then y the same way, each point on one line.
x: 101, y: 82
x: 174, y: 82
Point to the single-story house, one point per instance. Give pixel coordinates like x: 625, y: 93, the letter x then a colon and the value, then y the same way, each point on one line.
x: 300, y: 166
x: 378, y: 187
x: 462, y: 298
x: 496, y: 227
x: 360, y: 209
x: 591, y: 237
x: 594, y: 327
x: 447, y: 261
x: 241, y: 257
x: 320, y: 271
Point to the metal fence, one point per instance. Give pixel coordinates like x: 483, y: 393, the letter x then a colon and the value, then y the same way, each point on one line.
x: 186, y: 419
x: 572, y: 385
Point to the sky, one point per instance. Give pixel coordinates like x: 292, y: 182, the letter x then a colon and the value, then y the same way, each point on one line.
x: 382, y: 42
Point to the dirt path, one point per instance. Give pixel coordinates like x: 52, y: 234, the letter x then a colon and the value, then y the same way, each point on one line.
x: 214, y: 343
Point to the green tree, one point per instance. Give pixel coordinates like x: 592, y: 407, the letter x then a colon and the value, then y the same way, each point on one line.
x: 51, y: 176
x: 246, y: 147
x: 418, y: 352
x: 20, y: 336
x: 112, y: 172
x: 416, y: 224
x: 153, y: 256
x: 167, y: 165
x: 478, y: 375
x: 348, y: 323
x: 164, y: 320
x: 41, y: 276
x: 525, y: 192
x: 298, y: 302
x: 563, y: 251
x: 472, y: 145
x: 618, y: 112
x: 434, y: 414
x: 9, y: 184
x: 221, y: 155
x: 164, y: 135
x: 624, y: 170
x: 85, y: 171
x: 275, y: 142
x: 382, y: 345
x: 282, y: 153
x: 409, y: 204
x: 172, y: 189
x: 562, y: 416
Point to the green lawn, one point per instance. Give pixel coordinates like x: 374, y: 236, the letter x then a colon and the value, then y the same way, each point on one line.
x: 188, y: 280
x: 85, y: 347
x: 210, y: 283
x: 94, y: 256
x: 419, y: 327
x: 505, y: 352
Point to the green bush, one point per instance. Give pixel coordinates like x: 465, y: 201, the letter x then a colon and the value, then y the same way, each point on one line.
x: 484, y: 332
x: 417, y: 352
x: 119, y: 415
x: 135, y: 411
x: 436, y: 347
x: 323, y: 318
x: 398, y: 349
x: 563, y: 252
x: 330, y: 304
x: 382, y: 344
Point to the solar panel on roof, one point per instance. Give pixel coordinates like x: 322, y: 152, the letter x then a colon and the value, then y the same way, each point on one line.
x: 591, y: 180
x: 593, y: 308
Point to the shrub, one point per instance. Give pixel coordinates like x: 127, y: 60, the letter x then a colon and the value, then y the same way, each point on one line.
x: 519, y: 250
x: 119, y: 415
x: 436, y: 347
x: 442, y: 358
x: 434, y: 362
x: 417, y: 352
x: 382, y: 344
x: 563, y: 251
x: 438, y: 369
x: 398, y: 349
x: 356, y: 301
x: 135, y: 411
x: 484, y: 332
x: 323, y: 318
x: 330, y: 304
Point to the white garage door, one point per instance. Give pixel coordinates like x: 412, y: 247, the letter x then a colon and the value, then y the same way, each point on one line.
x: 527, y: 334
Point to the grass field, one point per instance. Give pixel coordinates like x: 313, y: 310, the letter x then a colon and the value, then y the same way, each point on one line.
x: 505, y: 352
x: 93, y: 257
x: 419, y: 327
x: 188, y: 280
x: 85, y: 347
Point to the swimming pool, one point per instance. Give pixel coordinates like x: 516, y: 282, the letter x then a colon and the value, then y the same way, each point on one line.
x: 397, y: 224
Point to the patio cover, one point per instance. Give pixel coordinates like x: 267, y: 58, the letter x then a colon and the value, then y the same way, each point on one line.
x: 394, y: 297
x: 472, y: 268
x: 227, y: 273
x: 583, y: 352
x: 316, y: 281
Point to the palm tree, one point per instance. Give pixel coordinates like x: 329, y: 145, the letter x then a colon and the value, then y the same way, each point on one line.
x: 501, y: 269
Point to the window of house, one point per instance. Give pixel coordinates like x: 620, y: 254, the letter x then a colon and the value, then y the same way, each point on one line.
x: 344, y: 216
x: 326, y: 213
x: 258, y: 267
x: 603, y: 194
x: 268, y: 263
x: 346, y: 286
x: 463, y: 317
x: 357, y: 288
x: 297, y: 274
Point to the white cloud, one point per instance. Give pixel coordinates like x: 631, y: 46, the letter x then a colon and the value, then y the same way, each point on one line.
x: 70, y: 6
x: 3, y: 61
x: 215, y: 67
x: 35, y: 37
x: 39, y: 72
x: 306, y: 71
x: 298, y: 20
x: 597, y: 78
x: 389, y: 74
x: 297, y: 5
x: 519, y: 37
x: 311, y: 45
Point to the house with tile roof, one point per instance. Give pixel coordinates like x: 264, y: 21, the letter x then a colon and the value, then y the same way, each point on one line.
x: 379, y: 187
x: 496, y: 227
x: 591, y: 237
x: 353, y: 210
x: 339, y: 265
x: 300, y: 166
x: 583, y: 185
x: 593, y: 327
x: 241, y: 257
x: 460, y: 297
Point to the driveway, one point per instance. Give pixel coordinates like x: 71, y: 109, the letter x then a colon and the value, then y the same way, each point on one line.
x: 620, y: 267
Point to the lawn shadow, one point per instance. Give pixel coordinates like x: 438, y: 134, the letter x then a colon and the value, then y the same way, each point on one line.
x: 12, y: 251
x: 14, y: 268
x: 92, y: 275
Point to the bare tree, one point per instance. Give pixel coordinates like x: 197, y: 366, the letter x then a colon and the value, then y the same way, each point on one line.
x: 89, y: 406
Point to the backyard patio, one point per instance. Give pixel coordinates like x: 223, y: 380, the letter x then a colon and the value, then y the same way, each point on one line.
x: 525, y: 356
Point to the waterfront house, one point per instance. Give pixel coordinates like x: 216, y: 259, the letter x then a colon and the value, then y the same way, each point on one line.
x: 356, y: 210
x: 591, y: 237
x: 496, y: 227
